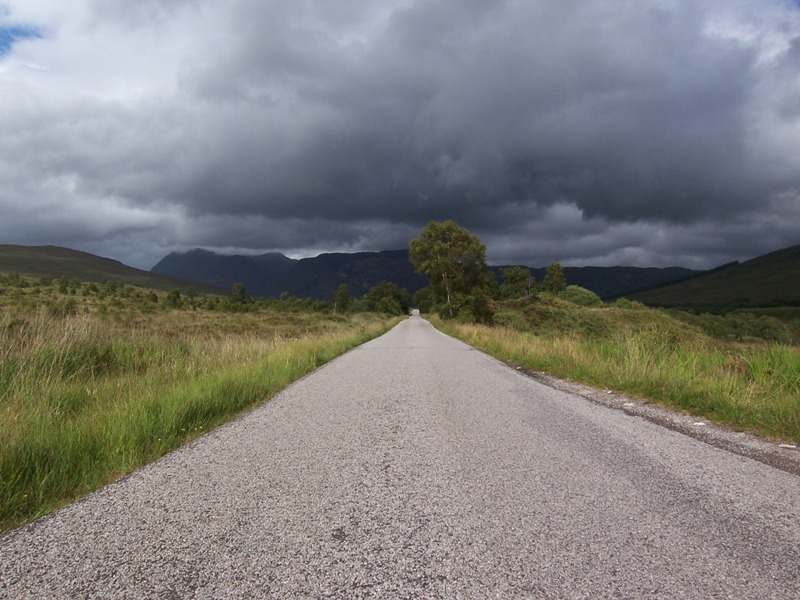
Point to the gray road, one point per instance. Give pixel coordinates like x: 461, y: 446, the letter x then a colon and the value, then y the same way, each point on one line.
x: 416, y: 467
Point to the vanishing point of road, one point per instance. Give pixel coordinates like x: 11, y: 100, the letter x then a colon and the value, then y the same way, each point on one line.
x: 417, y: 467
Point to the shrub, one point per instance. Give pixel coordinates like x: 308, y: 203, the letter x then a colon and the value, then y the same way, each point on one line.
x: 580, y: 296
x: 626, y: 304
x: 471, y: 308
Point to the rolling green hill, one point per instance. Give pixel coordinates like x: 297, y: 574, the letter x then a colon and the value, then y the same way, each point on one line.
x: 57, y: 263
x: 765, y: 281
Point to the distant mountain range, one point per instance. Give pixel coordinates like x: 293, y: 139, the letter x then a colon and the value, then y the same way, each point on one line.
x: 769, y: 280
x: 272, y: 274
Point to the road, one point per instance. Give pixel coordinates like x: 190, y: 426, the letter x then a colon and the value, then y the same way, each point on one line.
x: 417, y: 467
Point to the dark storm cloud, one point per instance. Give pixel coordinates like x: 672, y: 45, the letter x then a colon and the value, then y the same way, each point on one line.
x: 631, y: 114
x: 656, y: 132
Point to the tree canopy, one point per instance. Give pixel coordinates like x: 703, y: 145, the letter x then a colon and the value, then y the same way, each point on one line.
x: 453, y: 257
x: 517, y: 283
x: 389, y: 298
x: 554, y: 280
x: 455, y: 261
x: 342, y: 299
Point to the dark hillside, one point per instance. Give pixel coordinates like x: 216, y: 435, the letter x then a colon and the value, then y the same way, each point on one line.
x: 318, y: 277
x: 769, y: 280
x: 222, y: 270
x: 57, y: 263
x: 273, y: 274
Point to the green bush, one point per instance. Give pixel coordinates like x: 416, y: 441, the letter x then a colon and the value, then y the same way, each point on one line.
x: 475, y: 307
x: 626, y: 304
x: 580, y: 296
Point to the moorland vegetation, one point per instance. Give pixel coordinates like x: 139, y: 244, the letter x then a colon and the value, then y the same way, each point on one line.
x: 97, y: 379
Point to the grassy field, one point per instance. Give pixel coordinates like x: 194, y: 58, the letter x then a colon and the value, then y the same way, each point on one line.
x: 95, y: 383
x: 742, y: 371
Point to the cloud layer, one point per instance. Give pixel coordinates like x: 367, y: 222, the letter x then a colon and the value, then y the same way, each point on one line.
x: 593, y: 132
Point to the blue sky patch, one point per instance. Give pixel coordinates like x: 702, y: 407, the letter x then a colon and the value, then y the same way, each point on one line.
x: 9, y: 35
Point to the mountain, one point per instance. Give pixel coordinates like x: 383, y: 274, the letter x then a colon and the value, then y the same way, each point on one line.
x: 222, y: 270
x: 273, y: 274
x: 56, y: 262
x: 318, y: 277
x: 769, y: 280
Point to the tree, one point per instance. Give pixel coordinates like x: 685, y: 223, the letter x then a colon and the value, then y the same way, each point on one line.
x: 517, y: 283
x: 554, y: 280
x: 453, y: 258
x: 342, y: 299
x: 238, y: 293
x: 423, y: 300
x: 388, y: 297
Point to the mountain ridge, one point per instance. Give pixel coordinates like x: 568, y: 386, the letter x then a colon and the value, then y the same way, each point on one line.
x: 769, y: 280
x: 273, y: 274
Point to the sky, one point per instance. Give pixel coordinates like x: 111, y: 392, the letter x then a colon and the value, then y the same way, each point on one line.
x: 586, y: 132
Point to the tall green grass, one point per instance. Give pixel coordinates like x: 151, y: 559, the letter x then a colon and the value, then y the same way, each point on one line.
x: 85, y: 399
x: 752, y: 386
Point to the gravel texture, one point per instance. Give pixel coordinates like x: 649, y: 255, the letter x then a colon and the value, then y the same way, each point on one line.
x: 417, y: 467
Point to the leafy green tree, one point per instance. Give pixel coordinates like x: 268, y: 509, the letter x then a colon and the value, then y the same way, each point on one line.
x: 554, y: 280
x: 388, y: 297
x: 238, y: 293
x: 342, y: 299
x: 423, y: 300
x: 475, y: 307
x: 453, y: 258
x: 517, y: 283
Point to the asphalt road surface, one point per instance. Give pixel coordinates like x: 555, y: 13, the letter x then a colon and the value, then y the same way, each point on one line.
x: 417, y: 467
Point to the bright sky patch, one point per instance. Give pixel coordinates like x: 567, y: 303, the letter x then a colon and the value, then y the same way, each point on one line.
x: 9, y: 35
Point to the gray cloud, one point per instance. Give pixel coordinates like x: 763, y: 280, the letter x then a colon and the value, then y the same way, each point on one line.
x: 593, y: 132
